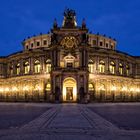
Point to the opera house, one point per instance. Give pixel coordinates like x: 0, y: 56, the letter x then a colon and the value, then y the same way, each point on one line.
x: 70, y: 64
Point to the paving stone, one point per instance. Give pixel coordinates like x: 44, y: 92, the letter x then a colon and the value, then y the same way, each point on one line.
x: 69, y: 122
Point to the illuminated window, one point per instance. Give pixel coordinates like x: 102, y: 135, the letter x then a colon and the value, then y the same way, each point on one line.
x: 62, y: 64
x: 48, y: 87
x: 77, y: 64
x: 112, y: 67
x: 26, y: 67
x: 69, y: 60
x: 18, y: 69
x: 48, y: 66
x: 120, y: 68
x: 37, y: 66
x: 90, y: 66
x: 90, y: 69
x: 127, y: 70
x: 90, y: 87
x: 101, y: 66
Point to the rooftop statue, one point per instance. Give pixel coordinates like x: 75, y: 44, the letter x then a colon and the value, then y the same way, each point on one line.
x: 68, y: 13
x: 69, y: 18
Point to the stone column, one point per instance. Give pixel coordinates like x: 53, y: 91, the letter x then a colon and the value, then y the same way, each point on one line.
x: 81, y: 60
x: 97, y: 64
x: 124, y: 68
x: 42, y: 70
x: 117, y: 67
x: 21, y: 67
x: 58, y: 58
x: 31, y: 63
x: 107, y: 65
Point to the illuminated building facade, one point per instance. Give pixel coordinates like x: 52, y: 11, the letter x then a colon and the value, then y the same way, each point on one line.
x: 70, y: 65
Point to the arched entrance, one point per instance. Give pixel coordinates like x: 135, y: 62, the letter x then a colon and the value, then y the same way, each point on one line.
x: 69, y: 89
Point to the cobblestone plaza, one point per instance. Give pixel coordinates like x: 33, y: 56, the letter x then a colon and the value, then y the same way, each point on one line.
x: 105, y: 121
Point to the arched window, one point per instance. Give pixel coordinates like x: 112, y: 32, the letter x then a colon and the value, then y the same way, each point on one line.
x: 18, y: 69
x: 90, y: 87
x: 69, y: 61
x: 26, y: 67
x: 48, y: 87
x: 48, y: 66
x: 101, y: 66
x: 112, y: 67
x: 127, y: 70
x: 37, y: 66
x: 120, y: 68
x: 90, y: 66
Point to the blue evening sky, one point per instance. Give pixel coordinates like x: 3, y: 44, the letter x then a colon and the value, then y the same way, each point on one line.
x: 119, y: 19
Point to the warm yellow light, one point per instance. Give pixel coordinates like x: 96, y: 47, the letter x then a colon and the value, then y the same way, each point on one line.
x: 74, y: 93
x: 64, y: 93
x: 6, y: 89
x: 137, y: 90
x: 102, y: 66
x: 14, y: 88
x: 48, y: 87
x: 124, y: 88
x: 92, y: 76
x: 48, y: 76
x: 131, y: 89
x: 1, y: 89
x: 62, y: 64
x: 101, y: 88
x: 38, y: 88
x: 69, y: 82
x: 113, y: 88
x: 90, y: 86
x: 25, y: 88
x: 37, y: 66
x: 90, y: 68
x: 48, y: 68
x: 112, y: 67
